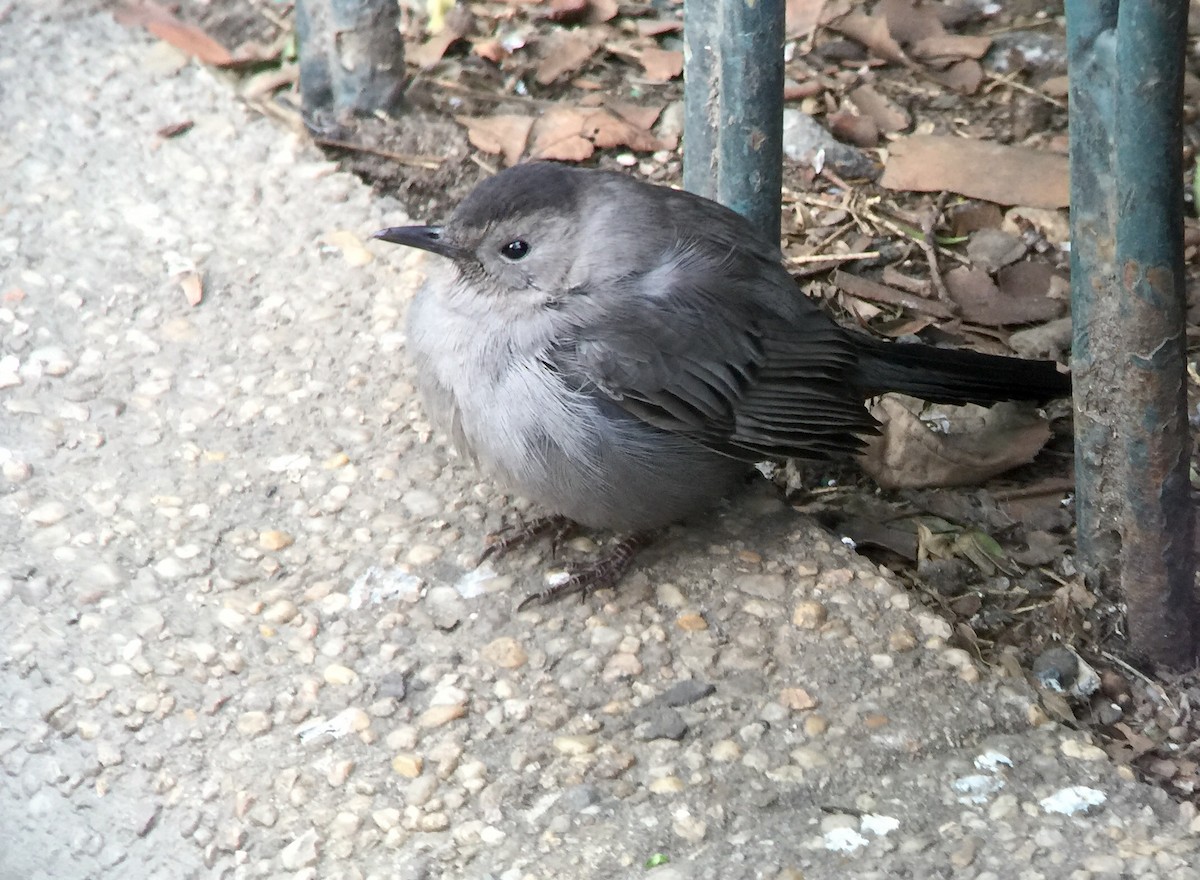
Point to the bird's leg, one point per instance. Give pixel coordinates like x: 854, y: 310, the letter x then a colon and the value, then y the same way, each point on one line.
x: 601, y: 574
x: 501, y: 542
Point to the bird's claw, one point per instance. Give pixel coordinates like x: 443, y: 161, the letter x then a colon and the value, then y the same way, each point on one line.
x: 501, y: 542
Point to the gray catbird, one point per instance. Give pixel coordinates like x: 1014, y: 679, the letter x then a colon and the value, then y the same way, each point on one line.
x: 621, y: 352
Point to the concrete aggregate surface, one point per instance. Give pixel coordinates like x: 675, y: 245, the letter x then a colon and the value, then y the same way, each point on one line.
x: 243, y: 633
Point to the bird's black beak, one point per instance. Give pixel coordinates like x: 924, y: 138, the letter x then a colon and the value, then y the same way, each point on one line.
x: 427, y: 238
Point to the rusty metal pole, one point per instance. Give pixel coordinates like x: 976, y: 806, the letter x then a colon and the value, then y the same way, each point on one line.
x: 1133, y: 446
x: 733, y: 106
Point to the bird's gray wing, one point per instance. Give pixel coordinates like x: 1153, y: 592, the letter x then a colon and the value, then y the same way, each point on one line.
x: 728, y: 352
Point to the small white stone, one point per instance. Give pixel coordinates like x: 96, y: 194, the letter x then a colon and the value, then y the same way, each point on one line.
x: 48, y: 513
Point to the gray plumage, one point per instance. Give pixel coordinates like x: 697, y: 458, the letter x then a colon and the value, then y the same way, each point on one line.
x: 620, y: 352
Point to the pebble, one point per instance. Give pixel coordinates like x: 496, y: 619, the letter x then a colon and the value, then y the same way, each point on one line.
x: 621, y: 665
x: 337, y: 674
x: 433, y: 822
x: 685, y: 692
x: 764, y: 586
x: 667, y: 785
x: 108, y: 754
x: 809, y: 614
x: 422, y: 554
x: 1105, y: 864
x: 687, y: 826
x: 691, y: 622
x: 809, y: 759
x: 345, y: 824
x: 386, y: 819
x: 725, y: 750
x: 669, y: 596
x: 48, y: 513
x: 505, y: 652
x: 575, y: 744
x: 302, y: 852
x: 437, y: 716
x: 280, y: 612
x: 273, y: 539
x: 665, y: 724
x: 797, y: 699
x: 964, y: 855
x: 1082, y: 751
x: 408, y: 764
x: 604, y: 638
x: 254, y: 723
x: 901, y: 639
x: 16, y: 471
x: 265, y: 815
x: 231, y: 619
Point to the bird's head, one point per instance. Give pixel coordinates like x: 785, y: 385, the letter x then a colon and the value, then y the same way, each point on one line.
x: 515, y: 233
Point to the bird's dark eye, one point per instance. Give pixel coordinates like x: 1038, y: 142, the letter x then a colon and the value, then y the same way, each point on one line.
x: 515, y: 249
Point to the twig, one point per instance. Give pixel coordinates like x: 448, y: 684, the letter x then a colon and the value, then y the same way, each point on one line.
x: 494, y: 97
x: 873, y: 291
x: 1162, y: 693
x: 1021, y: 87
x: 474, y: 157
x: 832, y: 258
x: 429, y: 163
x: 1050, y: 487
x: 928, y: 243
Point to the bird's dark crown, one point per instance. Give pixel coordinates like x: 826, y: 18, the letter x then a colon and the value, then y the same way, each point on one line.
x: 520, y: 191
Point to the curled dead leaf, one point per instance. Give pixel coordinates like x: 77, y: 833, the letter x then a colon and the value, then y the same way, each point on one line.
x: 558, y: 135
x: 564, y: 52
x: 661, y: 65
x: 504, y: 134
x: 907, y: 454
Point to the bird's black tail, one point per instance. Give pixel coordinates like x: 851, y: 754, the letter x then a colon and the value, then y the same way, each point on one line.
x: 947, y: 375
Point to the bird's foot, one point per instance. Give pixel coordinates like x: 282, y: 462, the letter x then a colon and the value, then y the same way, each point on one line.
x: 559, y: 528
x: 586, y: 579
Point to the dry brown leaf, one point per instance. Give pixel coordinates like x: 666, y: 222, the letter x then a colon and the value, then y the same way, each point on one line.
x: 641, y: 116
x: 1052, y: 225
x: 430, y: 52
x: 661, y: 65
x: 908, y: 22
x: 1025, y: 297
x: 868, y: 289
x: 565, y: 52
x: 557, y: 134
x: 490, y: 50
x: 801, y: 17
x: 501, y: 135
x: 567, y: 11
x: 968, y: 217
x: 187, y: 38
x: 977, y: 169
x: 600, y: 11
x: 653, y: 27
x: 950, y: 47
x: 873, y: 33
x: 606, y: 130
x: 908, y: 455
x: 887, y: 115
x: 964, y: 77
x: 851, y: 128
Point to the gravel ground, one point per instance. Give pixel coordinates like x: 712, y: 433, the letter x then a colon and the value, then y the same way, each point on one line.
x: 244, y: 636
